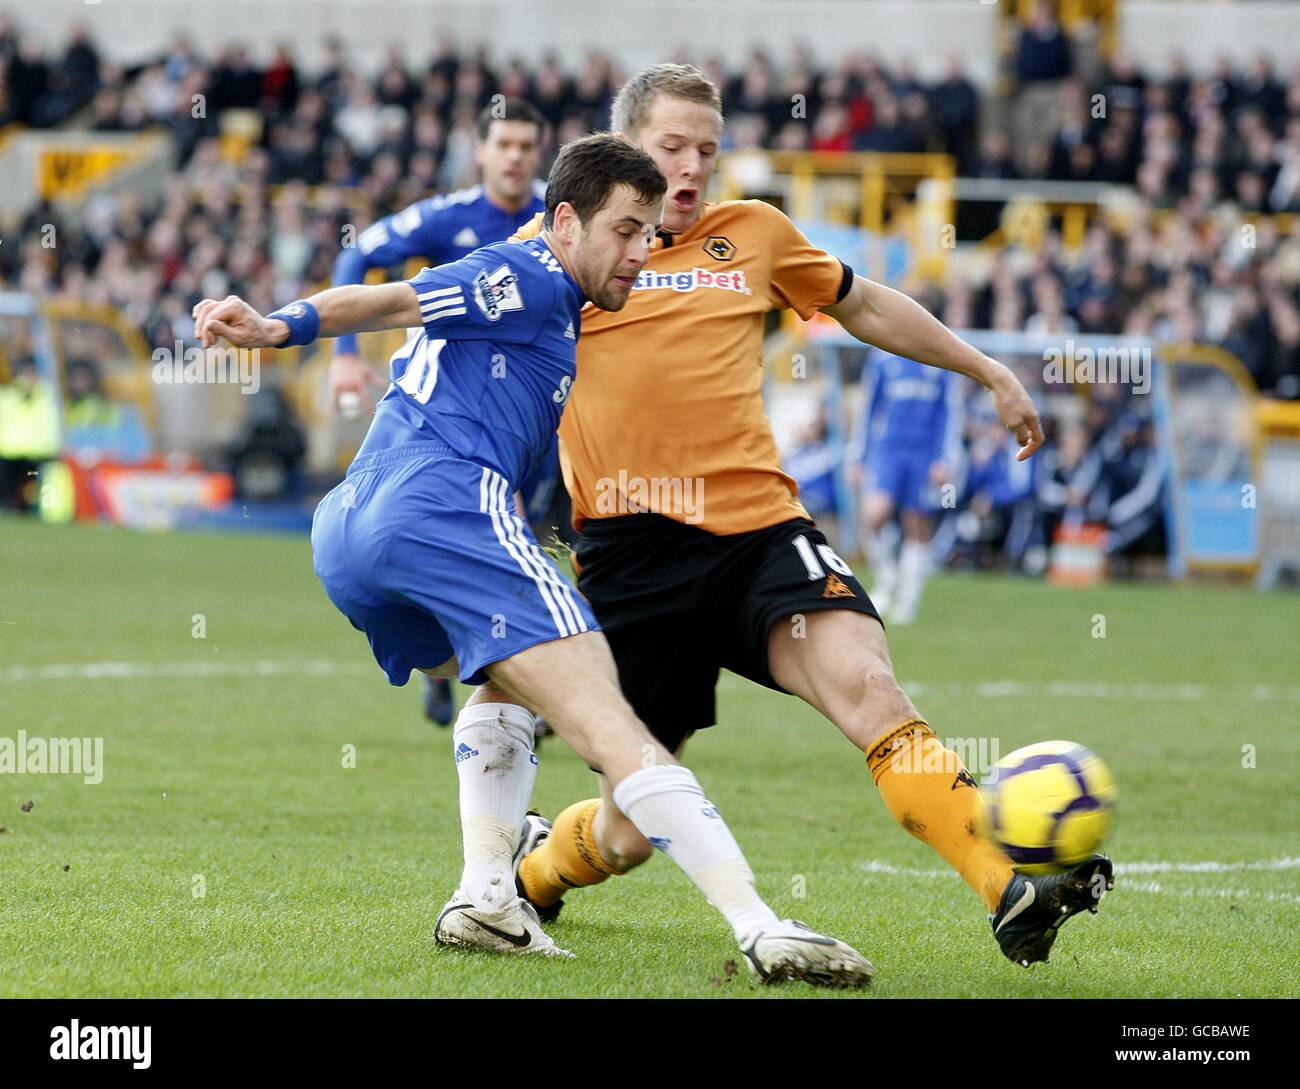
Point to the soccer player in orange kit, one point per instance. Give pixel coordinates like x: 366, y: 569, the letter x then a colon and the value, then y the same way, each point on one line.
x: 694, y: 550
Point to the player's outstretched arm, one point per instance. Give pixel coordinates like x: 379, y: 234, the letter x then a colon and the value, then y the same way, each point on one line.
x: 879, y: 315
x: 331, y: 313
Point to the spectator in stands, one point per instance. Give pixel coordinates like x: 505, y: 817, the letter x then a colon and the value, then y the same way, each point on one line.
x: 1130, y: 488
x: 995, y: 156
x: 236, y: 84
x: 1285, y: 194
x: 956, y: 112
x: 1043, y: 53
x: 1064, y: 478
x: 266, y: 458
x: 1250, y: 335
x: 280, y: 85
x: 889, y: 131
x: 78, y: 76
x: 27, y: 85
x: 1049, y: 314
x: 999, y: 511
x: 360, y: 121
x: 88, y: 404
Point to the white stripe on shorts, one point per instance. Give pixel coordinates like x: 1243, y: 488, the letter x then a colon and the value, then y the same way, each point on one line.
x: 488, y: 504
x: 541, y: 563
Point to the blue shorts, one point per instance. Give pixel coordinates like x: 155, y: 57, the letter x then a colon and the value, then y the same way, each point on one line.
x: 904, y: 476
x: 423, y: 552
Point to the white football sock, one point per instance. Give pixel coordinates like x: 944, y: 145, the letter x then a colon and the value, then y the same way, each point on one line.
x: 913, y: 567
x: 493, y: 746
x: 668, y: 807
x: 884, y: 565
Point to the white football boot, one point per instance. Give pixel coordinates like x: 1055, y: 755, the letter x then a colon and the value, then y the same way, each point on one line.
x: 792, y: 950
x: 513, y: 929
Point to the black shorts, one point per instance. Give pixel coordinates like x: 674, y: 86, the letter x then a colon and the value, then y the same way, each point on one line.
x: 678, y: 604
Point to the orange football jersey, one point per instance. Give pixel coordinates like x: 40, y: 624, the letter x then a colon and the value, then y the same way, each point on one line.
x: 667, y: 413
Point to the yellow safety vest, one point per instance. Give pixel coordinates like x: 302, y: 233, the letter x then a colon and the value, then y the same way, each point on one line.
x: 29, y: 425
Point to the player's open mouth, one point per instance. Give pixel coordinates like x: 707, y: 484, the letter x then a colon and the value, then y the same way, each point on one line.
x: 684, y: 200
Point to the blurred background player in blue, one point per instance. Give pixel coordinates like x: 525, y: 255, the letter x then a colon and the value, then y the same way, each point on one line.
x: 512, y: 139
x: 509, y: 152
x: 812, y: 461
x: 911, y: 448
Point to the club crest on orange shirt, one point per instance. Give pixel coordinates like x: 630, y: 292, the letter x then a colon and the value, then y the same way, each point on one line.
x: 719, y: 247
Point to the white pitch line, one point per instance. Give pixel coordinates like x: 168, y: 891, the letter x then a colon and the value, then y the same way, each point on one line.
x: 1141, y: 691
x: 993, y: 689
x: 1270, y: 864
x: 112, y: 671
x: 1207, y: 867
x: 1153, y: 887
x: 1091, y: 690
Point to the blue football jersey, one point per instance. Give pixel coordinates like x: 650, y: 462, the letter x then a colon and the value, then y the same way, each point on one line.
x: 911, y: 409
x: 439, y: 229
x: 489, y: 372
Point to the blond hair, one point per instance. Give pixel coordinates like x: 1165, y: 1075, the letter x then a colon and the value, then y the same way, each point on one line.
x: 632, y: 104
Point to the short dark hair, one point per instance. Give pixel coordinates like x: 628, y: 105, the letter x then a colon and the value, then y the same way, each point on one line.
x: 510, y: 109
x: 587, y: 170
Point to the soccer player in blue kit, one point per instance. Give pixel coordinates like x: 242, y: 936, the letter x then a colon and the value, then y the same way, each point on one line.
x: 420, y: 547
x: 911, y: 446
x: 511, y: 140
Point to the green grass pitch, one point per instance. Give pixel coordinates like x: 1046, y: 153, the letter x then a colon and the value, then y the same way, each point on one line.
x: 229, y: 850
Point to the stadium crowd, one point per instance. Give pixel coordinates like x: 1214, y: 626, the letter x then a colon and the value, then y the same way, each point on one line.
x: 1188, y: 257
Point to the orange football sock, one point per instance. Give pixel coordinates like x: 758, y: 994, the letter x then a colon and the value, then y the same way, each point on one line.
x: 932, y: 795
x: 567, y: 859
